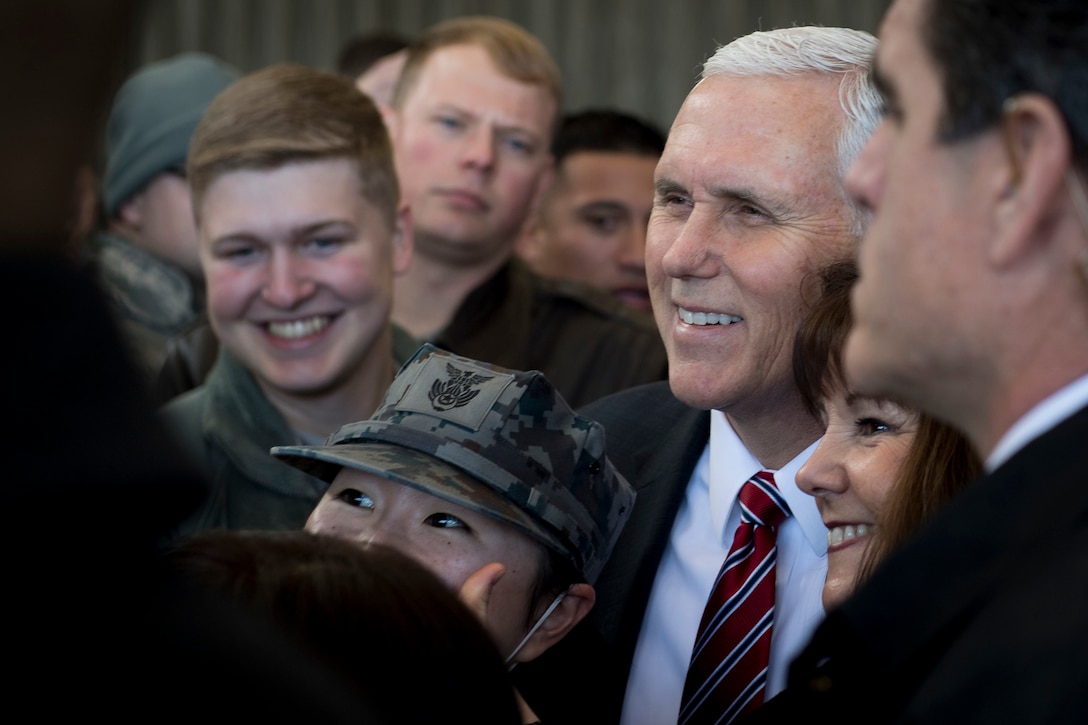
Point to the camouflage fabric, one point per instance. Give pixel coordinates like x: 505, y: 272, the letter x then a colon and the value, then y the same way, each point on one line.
x: 152, y: 300
x: 498, y: 441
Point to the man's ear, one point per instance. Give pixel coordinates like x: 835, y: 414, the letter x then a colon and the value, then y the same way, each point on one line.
x: 1038, y: 150
x: 543, y: 185
x: 131, y: 212
x: 529, y: 245
x: 389, y: 116
x: 571, y: 610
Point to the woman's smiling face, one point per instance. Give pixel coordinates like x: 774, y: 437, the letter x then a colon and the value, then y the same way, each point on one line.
x: 850, y: 474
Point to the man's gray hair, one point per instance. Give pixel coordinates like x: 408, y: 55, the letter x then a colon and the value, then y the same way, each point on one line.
x: 795, y: 51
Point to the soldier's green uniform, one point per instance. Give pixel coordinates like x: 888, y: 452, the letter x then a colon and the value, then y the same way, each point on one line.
x: 228, y: 425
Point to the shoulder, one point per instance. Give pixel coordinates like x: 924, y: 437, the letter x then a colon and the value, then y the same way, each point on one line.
x: 578, y: 298
x: 188, y: 357
x: 186, y: 404
x: 569, y: 311
x: 656, y: 397
x: 644, y: 418
x: 186, y: 410
x: 184, y: 419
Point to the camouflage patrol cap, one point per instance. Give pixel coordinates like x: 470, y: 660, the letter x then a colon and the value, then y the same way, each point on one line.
x: 498, y: 441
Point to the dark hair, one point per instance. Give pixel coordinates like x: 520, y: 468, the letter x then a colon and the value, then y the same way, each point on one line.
x: 940, y: 462
x: 555, y: 574
x: 817, y: 348
x: 607, y: 130
x: 987, y: 51
x: 397, y: 632
x: 361, y: 51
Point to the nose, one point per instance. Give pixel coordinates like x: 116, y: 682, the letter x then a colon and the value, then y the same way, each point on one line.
x: 688, y: 245
x: 478, y: 149
x: 288, y: 282
x: 864, y: 179
x: 823, y: 472
x: 329, y: 519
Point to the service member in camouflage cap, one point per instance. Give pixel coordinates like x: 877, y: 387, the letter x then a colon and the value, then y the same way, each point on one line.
x: 465, y: 464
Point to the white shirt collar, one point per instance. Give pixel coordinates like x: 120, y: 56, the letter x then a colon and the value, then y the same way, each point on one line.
x: 731, y: 465
x: 1045, y: 415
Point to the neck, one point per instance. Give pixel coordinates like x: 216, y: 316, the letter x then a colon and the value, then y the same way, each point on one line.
x: 1036, y: 343
x: 765, y: 435
x: 428, y: 295
x: 320, y: 414
x: 991, y: 416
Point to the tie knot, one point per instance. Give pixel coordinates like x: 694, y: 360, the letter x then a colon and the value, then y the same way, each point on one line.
x: 761, y: 502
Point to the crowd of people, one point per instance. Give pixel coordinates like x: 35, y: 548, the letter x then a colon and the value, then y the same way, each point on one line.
x: 400, y: 392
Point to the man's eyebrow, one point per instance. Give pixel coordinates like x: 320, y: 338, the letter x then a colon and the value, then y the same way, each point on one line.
x: 668, y: 186
x: 770, y: 203
x: 736, y: 193
x: 501, y: 127
x: 604, y: 205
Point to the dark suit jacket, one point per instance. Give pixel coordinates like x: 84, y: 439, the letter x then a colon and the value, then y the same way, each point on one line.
x: 981, y: 617
x: 655, y: 441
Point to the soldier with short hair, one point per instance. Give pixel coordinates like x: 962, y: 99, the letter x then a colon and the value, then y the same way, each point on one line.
x: 301, y: 233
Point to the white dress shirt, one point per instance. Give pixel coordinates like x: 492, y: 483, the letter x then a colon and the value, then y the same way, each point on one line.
x: 1046, y: 414
x: 701, y: 536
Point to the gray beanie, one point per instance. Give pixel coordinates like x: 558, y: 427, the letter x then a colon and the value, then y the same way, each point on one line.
x: 153, y: 118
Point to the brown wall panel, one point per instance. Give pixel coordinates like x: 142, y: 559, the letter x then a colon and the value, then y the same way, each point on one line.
x: 638, y: 55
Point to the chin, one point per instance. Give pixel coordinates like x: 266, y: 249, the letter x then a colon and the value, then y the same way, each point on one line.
x: 302, y: 384
x: 697, y: 396
x: 835, y: 593
x: 701, y: 384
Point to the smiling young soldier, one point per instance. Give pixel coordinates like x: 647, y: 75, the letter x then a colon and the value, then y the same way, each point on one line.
x: 465, y: 464
x: 301, y: 235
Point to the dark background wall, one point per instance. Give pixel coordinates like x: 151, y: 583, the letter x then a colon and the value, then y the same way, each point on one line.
x: 638, y: 55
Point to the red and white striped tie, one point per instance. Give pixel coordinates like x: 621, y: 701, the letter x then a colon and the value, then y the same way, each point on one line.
x: 728, y: 668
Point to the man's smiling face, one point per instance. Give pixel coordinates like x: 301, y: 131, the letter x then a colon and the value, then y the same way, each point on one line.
x: 748, y: 201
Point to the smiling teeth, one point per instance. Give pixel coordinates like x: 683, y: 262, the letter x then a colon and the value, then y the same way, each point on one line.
x: 840, y: 534
x: 707, y: 318
x: 295, y: 329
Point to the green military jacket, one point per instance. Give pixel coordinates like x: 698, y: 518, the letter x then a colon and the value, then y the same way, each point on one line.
x: 228, y: 427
